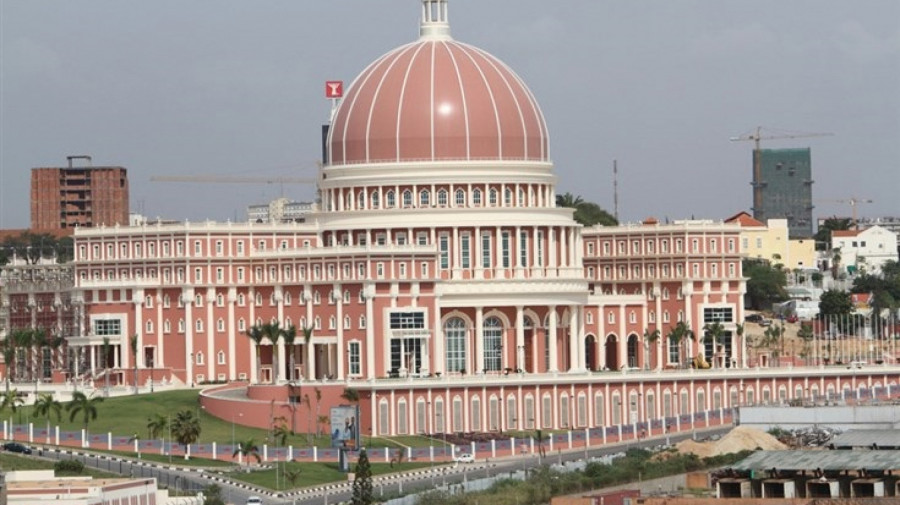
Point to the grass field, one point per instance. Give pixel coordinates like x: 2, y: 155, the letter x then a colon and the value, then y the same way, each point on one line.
x: 11, y: 462
x: 128, y: 415
x: 312, y: 474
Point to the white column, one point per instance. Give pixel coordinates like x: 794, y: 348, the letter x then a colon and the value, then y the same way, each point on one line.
x: 341, y: 351
x: 551, y: 249
x: 138, y: 299
x: 251, y: 320
x: 520, y: 337
x: 574, y: 366
x: 479, y: 339
x: 188, y: 297
x: 159, y: 359
x: 232, y: 329
x: 554, y: 360
x: 438, y: 360
x: 310, y: 322
x: 211, y: 330
x: 370, y: 332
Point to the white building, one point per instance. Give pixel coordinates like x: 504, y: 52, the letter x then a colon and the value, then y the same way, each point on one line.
x: 39, y: 487
x: 865, y: 250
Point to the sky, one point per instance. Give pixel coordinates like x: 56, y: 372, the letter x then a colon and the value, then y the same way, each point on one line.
x: 228, y: 87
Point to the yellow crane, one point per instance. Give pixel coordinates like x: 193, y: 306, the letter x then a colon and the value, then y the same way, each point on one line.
x: 854, y: 203
x: 758, y: 134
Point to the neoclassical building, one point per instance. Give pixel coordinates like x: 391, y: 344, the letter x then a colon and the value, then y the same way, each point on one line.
x: 437, y: 274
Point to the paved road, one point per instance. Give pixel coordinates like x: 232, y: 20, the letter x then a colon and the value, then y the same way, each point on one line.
x: 192, y: 480
x: 456, y: 474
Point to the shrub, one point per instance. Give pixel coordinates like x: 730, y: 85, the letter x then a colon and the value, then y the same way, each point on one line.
x: 68, y: 466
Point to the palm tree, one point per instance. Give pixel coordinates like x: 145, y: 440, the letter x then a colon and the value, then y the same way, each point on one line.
x: 256, y: 335
x: 56, y: 343
x: 104, y: 353
x: 568, y: 200
x: 84, y: 405
x: 45, y: 406
x: 713, y: 332
x: 280, y: 431
x: 133, y: 341
x: 273, y: 331
x: 39, y: 340
x: 318, y: 393
x: 308, y: 416
x: 247, y: 449
x: 186, y: 430
x: 289, y: 335
x: 9, y: 359
x: 678, y: 334
x: 307, y: 342
x: 12, y: 401
x: 157, y: 425
x: 739, y: 331
x: 351, y: 395
x: 23, y: 339
x: 649, y: 338
x: 293, y: 475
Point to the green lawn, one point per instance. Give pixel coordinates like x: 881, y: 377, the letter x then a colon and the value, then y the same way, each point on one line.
x: 177, y: 460
x: 128, y: 415
x: 312, y: 474
x: 12, y: 462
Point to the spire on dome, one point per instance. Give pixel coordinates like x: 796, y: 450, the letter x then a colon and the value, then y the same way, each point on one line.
x: 435, y: 24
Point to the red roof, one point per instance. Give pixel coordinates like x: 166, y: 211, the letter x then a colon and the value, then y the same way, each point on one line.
x: 743, y: 218
x: 844, y: 233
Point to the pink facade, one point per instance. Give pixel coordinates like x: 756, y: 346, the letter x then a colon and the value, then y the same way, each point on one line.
x: 438, y: 275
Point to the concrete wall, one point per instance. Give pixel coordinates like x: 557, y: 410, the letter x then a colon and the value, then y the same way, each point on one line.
x: 840, y: 417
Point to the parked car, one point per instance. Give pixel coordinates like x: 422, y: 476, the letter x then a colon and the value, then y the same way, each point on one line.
x: 465, y: 458
x: 16, y: 447
x: 754, y: 318
x: 254, y: 500
x: 765, y: 322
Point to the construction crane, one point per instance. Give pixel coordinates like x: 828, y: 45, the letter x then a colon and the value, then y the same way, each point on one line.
x: 756, y: 135
x: 234, y: 179
x: 854, y: 206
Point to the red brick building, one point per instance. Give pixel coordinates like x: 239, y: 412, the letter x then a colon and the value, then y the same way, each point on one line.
x: 68, y: 197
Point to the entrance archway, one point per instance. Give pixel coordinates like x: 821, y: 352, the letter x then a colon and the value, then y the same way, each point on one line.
x: 611, y: 349
x: 633, y: 346
x: 590, y: 352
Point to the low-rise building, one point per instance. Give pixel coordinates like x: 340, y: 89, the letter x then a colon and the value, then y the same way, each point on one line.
x: 39, y: 487
x: 865, y: 250
x: 770, y: 241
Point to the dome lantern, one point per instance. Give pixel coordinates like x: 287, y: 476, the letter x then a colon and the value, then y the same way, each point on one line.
x: 435, y: 24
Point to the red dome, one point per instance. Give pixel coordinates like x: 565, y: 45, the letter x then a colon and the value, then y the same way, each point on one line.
x: 437, y: 99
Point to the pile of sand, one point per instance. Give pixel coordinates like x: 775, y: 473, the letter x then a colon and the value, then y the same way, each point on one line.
x: 739, y: 439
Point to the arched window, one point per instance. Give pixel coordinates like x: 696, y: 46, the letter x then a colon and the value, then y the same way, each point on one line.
x: 391, y: 199
x: 507, y: 197
x: 407, y: 198
x: 492, y: 198
x: 493, y: 344
x: 476, y: 197
x: 460, y: 198
x: 376, y: 202
x: 361, y: 200
x: 442, y: 198
x: 424, y: 198
x: 455, y: 346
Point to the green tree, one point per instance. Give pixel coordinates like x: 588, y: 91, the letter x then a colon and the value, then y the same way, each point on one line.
x: 292, y: 475
x: 133, y: 342
x: 586, y: 213
x: 280, y: 431
x: 714, y: 332
x: 212, y: 495
x: 9, y: 358
x: 84, y: 405
x: 835, y: 303
x: 765, y: 284
x: 823, y: 235
x: 247, y: 449
x: 104, y: 356
x: 157, y: 425
x: 289, y: 335
x: 186, y: 429
x: 805, y: 334
x: 362, y: 482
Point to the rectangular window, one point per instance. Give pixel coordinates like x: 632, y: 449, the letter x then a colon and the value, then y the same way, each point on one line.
x: 407, y: 320
x: 107, y: 327
x: 424, y: 269
x: 355, y: 364
x: 485, y: 250
x: 718, y: 314
x: 523, y: 248
x: 464, y: 251
x: 240, y: 247
x: 445, y: 251
x: 539, y: 248
x: 504, y: 249
x: 220, y: 248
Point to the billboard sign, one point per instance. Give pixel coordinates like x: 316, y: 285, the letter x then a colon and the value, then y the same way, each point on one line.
x: 345, y: 426
x: 334, y: 89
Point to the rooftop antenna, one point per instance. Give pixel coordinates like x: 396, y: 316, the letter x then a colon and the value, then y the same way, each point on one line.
x: 616, y: 190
